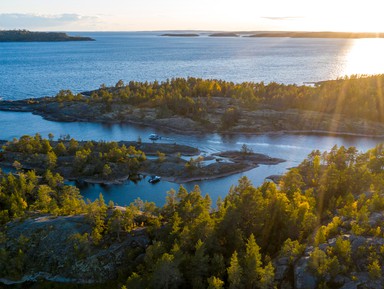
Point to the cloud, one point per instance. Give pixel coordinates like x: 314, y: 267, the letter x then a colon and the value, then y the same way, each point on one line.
x: 35, y: 21
x: 282, y: 18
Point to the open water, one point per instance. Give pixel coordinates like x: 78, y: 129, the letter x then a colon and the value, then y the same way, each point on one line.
x: 40, y: 69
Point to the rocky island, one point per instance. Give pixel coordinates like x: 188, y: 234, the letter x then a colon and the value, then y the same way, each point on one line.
x: 32, y: 36
x: 195, y: 105
x: 116, y: 162
x: 208, y: 167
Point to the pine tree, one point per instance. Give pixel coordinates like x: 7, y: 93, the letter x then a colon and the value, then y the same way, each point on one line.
x: 235, y: 273
x: 252, y: 263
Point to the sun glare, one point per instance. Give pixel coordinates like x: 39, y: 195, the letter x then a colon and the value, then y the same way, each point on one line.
x: 365, y: 57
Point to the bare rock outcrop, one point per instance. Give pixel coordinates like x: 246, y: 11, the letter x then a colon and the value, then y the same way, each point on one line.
x: 46, y: 247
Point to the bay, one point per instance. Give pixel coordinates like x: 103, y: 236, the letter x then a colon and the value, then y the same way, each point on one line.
x: 292, y: 148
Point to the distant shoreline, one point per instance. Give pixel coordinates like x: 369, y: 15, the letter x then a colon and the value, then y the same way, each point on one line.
x: 322, y: 34
x: 30, y: 36
x: 285, y: 34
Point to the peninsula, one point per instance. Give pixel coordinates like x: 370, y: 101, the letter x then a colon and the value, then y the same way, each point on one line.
x: 30, y: 36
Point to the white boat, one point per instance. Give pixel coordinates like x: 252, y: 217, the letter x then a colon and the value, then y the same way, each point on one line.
x: 154, y: 179
x: 154, y: 136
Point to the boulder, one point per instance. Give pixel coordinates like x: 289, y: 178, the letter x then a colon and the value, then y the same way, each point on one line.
x: 303, y: 278
x: 375, y: 219
x: 349, y: 285
x: 340, y: 280
x: 281, y: 272
x: 356, y: 242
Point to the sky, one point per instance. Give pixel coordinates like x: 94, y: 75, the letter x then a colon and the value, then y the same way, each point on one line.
x: 223, y: 15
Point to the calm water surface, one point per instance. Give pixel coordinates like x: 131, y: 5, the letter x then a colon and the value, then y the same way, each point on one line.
x: 293, y: 148
x: 40, y: 69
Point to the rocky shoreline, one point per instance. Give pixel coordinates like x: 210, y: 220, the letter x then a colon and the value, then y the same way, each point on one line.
x: 225, y: 164
x: 261, y: 121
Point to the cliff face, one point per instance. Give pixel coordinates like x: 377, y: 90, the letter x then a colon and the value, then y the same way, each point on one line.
x: 46, y: 248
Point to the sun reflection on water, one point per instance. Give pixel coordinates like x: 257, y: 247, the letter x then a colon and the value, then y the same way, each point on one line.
x: 365, y: 56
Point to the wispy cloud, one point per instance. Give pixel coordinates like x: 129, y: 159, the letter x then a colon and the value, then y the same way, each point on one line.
x: 34, y: 21
x: 282, y: 18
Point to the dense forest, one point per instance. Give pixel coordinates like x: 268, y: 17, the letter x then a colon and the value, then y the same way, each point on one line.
x: 355, y: 96
x: 327, y: 212
x: 73, y: 159
x: 116, y: 162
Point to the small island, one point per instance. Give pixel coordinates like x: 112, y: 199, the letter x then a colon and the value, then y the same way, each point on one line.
x: 224, y: 34
x: 180, y: 35
x: 31, y: 36
x: 175, y: 169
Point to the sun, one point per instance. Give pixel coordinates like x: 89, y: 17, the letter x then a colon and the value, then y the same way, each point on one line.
x: 364, y: 57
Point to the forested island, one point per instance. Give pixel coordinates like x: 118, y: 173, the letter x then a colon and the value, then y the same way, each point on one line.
x: 351, y: 105
x: 224, y: 34
x: 32, y: 36
x: 180, y: 34
x: 116, y: 162
x: 319, y: 228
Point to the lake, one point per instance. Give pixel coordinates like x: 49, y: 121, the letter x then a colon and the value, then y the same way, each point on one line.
x: 43, y: 69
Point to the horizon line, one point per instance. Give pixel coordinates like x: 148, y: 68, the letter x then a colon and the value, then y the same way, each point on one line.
x: 203, y: 31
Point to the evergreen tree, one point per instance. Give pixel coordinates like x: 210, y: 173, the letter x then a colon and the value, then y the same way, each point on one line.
x: 235, y: 273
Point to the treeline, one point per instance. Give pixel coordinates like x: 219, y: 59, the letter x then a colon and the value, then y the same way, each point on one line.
x: 355, y: 96
x: 190, y: 96
x: 27, y: 192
